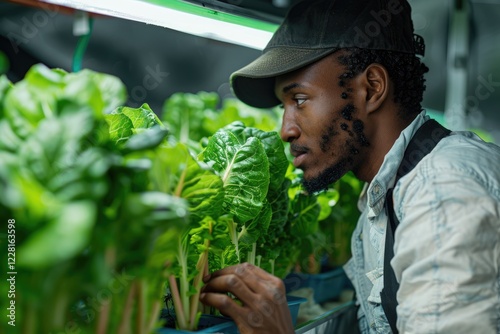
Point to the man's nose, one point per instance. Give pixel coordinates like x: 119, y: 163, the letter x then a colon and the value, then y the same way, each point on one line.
x: 289, y: 128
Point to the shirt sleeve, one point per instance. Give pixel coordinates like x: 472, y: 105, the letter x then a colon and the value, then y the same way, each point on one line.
x: 447, y: 254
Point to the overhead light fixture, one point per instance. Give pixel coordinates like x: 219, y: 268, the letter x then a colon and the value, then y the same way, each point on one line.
x: 184, y: 17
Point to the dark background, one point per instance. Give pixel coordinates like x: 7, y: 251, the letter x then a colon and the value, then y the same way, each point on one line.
x: 186, y: 63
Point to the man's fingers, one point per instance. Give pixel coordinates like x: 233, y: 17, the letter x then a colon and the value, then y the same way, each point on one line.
x: 258, y: 280
x: 229, y: 283
x: 264, y: 307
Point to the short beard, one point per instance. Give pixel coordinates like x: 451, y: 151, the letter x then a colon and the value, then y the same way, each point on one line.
x: 327, y: 177
x: 334, y: 172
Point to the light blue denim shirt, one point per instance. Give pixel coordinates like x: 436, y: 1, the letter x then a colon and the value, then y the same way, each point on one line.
x: 447, y: 246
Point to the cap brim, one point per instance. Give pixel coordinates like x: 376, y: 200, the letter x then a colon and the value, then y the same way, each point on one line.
x: 254, y: 83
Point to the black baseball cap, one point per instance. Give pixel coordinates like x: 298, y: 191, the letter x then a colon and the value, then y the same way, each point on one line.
x: 313, y: 29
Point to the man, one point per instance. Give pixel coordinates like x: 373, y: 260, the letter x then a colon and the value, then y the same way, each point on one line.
x: 348, y: 77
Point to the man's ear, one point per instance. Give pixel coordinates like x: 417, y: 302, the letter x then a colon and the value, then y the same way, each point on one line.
x: 377, y: 83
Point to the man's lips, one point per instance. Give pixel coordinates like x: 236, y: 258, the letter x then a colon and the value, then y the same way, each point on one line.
x: 299, y: 152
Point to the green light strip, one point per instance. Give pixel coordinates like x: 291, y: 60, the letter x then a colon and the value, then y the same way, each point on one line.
x: 216, y: 15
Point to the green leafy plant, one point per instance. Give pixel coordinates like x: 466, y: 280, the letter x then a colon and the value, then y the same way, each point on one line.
x: 329, y: 246
x: 226, y: 187
x: 93, y: 239
x: 264, y: 217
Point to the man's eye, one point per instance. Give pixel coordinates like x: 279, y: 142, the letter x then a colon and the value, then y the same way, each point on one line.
x: 299, y: 101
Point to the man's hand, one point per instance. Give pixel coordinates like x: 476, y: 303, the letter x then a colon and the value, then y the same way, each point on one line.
x: 263, y: 308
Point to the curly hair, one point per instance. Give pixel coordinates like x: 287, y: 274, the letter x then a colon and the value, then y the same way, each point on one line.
x: 405, y: 70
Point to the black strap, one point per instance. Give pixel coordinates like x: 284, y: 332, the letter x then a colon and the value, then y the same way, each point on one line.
x: 422, y: 143
x: 391, y: 285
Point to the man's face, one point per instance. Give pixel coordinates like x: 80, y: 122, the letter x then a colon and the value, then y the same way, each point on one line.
x: 321, y: 122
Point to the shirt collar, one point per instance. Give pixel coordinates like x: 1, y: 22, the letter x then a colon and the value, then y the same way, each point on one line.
x: 374, y: 193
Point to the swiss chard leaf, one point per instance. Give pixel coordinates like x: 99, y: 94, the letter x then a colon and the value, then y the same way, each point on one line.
x: 279, y: 200
x: 244, y: 169
x: 187, y: 115
x: 146, y: 139
x: 273, y: 146
x: 305, y: 212
x: 120, y: 127
x: 112, y: 89
x: 253, y: 229
x: 203, y: 190
x: 25, y: 107
x: 221, y: 245
x: 142, y: 117
x: 48, y: 92
x: 124, y: 122
x: 176, y: 172
x: 275, y: 151
x: 55, y: 144
x: 81, y: 92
